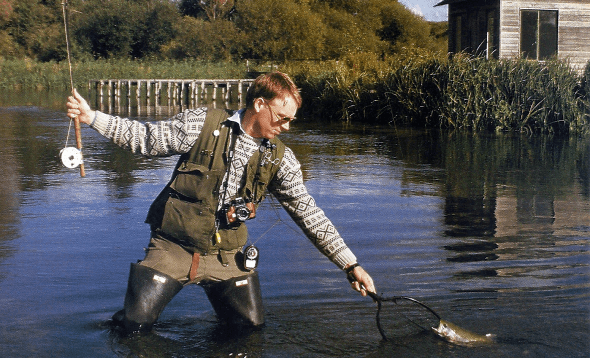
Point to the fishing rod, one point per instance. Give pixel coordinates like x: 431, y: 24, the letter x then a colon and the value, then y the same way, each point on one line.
x: 72, y: 157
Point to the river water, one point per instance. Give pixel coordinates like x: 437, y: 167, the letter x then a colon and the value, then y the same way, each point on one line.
x: 491, y: 231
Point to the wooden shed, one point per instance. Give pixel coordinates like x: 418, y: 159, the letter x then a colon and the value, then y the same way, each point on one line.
x: 534, y: 29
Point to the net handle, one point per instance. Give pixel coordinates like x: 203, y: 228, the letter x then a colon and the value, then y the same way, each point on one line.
x: 380, y: 299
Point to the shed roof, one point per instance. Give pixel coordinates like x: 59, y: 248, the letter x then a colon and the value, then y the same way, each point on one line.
x: 447, y: 2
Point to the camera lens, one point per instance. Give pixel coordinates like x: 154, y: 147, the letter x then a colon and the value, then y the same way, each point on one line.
x: 242, y: 214
x: 252, y: 253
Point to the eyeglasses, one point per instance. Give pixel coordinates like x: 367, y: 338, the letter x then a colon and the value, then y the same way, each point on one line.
x: 284, y: 119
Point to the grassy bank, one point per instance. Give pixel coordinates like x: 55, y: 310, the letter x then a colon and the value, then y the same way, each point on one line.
x: 417, y: 89
x: 28, y: 74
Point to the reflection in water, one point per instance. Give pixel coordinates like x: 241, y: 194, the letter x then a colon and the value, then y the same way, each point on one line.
x: 9, y: 186
x: 509, y: 183
x: 491, y: 230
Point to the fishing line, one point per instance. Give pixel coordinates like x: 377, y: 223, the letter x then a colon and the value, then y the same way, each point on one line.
x: 273, y: 204
x: 71, y: 157
x: 251, y: 254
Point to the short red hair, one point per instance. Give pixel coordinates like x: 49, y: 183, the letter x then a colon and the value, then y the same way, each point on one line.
x: 270, y: 86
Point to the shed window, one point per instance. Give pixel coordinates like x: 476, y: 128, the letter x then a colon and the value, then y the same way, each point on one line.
x: 538, y: 34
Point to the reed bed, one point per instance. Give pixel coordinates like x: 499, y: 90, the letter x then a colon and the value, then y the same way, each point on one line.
x: 458, y: 93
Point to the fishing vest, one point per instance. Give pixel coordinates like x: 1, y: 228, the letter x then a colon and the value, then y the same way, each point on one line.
x: 186, y: 211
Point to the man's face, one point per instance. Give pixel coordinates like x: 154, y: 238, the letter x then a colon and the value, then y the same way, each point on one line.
x: 272, y: 117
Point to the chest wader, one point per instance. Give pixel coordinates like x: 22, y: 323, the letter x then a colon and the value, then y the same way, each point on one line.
x: 185, y: 212
x: 148, y: 292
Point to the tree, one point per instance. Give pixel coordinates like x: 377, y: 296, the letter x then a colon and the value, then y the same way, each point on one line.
x: 212, y: 29
x: 207, y: 9
x: 7, y: 46
x: 280, y: 30
x: 402, y: 28
x: 106, y: 31
x: 36, y: 28
x: 154, y: 28
x: 205, y: 40
x: 125, y: 28
x: 349, y: 29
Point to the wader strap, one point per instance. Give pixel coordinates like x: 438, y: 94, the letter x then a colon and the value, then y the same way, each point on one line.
x: 223, y: 258
x: 194, y: 266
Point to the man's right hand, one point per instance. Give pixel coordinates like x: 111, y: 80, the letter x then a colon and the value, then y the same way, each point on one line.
x: 78, y: 107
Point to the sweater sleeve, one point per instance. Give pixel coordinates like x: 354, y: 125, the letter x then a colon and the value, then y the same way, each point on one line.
x: 163, y: 138
x: 290, y: 191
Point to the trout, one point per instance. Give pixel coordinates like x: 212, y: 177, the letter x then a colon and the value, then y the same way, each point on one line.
x: 458, y: 335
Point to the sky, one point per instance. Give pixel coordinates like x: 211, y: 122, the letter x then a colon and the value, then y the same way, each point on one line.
x: 426, y: 9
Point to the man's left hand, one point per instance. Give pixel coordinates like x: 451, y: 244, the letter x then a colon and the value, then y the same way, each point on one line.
x: 362, y: 281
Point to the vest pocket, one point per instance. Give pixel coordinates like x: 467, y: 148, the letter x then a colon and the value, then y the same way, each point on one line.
x: 195, y: 181
x: 189, y: 222
x: 233, y: 238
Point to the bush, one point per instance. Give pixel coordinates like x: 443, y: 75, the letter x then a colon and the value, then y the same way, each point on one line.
x: 219, y: 40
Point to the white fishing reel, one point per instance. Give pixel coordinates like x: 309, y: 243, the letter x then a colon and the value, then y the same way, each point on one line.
x: 71, y: 157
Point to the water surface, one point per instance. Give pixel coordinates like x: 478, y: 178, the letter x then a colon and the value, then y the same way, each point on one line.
x: 491, y: 231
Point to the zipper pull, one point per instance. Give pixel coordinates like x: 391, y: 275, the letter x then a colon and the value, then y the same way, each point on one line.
x: 217, y: 236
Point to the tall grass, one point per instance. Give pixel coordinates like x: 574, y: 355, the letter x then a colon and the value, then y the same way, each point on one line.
x: 458, y: 93
x: 27, y: 74
x: 517, y: 95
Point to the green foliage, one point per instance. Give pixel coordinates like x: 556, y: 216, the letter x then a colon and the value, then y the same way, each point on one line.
x: 585, y: 83
x: 122, y: 28
x: 401, y: 28
x: 280, y: 30
x: 155, y: 28
x: 7, y: 45
x: 36, y: 29
x: 210, y: 29
x: 219, y: 40
x: 347, y: 31
x: 106, y: 32
x: 207, y: 9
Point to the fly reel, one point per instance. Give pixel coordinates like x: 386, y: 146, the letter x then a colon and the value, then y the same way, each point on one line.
x: 71, y: 157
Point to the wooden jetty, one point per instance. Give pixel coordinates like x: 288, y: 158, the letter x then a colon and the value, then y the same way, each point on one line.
x: 170, y: 92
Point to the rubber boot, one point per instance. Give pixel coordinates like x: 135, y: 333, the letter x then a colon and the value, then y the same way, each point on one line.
x: 237, y: 300
x: 148, y: 292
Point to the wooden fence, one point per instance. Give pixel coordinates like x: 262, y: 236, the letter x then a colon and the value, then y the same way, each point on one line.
x: 170, y: 92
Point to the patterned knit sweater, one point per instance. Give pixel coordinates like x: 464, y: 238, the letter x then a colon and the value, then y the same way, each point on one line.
x: 178, y: 134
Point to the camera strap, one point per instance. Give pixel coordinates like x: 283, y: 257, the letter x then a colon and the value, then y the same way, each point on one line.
x: 229, y: 153
x: 250, y: 253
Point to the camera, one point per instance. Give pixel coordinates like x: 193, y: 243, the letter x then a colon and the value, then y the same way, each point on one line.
x: 239, y: 211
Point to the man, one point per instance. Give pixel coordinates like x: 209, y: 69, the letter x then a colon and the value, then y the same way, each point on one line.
x: 198, y: 231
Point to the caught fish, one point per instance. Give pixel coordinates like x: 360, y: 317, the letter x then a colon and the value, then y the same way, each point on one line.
x: 458, y: 335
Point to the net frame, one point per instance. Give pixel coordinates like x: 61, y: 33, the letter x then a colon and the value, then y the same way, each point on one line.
x: 395, y: 299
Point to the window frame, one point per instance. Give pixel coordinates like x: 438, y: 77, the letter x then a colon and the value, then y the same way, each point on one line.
x: 546, y: 43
